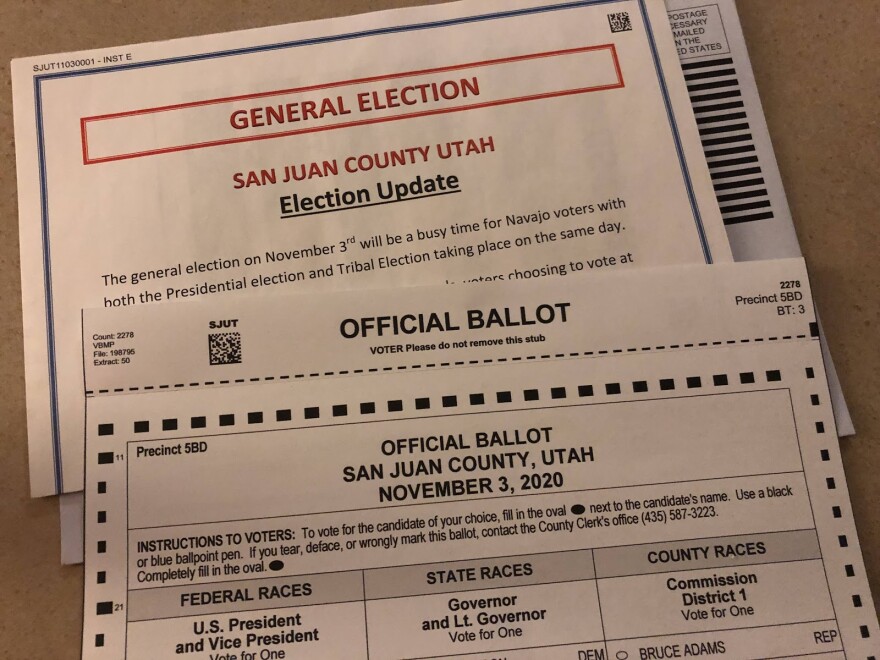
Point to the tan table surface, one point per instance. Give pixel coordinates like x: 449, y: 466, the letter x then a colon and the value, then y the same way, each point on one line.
x: 817, y: 64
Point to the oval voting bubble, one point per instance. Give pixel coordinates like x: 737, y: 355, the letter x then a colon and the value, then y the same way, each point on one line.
x: 276, y: 565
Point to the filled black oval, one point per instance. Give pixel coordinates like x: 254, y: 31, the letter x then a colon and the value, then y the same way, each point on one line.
x: 276, y: 565
x: 577, y: 509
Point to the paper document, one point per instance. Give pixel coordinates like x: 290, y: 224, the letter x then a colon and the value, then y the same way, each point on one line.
x: 713, y: 52
x: 641, y: 465
x: 484, y: 140
x: 734, y: 134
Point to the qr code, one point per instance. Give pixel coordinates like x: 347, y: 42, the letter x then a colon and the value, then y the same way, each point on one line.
x: 620, y: 22
x: 224, y: 348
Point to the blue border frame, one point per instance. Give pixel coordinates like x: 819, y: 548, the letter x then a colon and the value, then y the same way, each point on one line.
x: 41, y: 152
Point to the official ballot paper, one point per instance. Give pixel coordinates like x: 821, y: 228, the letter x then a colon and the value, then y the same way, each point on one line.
x: 484, y: 140
x: 640, y: 465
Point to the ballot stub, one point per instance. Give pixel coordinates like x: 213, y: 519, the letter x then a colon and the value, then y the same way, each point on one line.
x: 419, y: 146
x: 640, y: 466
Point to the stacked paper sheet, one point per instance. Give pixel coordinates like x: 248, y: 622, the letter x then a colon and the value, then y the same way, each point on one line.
x: 572, y: 452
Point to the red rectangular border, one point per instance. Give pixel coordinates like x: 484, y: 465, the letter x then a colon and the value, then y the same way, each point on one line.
x: 84, y: 121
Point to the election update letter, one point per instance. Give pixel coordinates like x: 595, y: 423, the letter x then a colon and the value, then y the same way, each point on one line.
x: 642, y: 466
x: 471, y: 141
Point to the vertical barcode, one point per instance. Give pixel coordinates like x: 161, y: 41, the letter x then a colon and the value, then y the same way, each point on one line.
x: 727, y: 140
